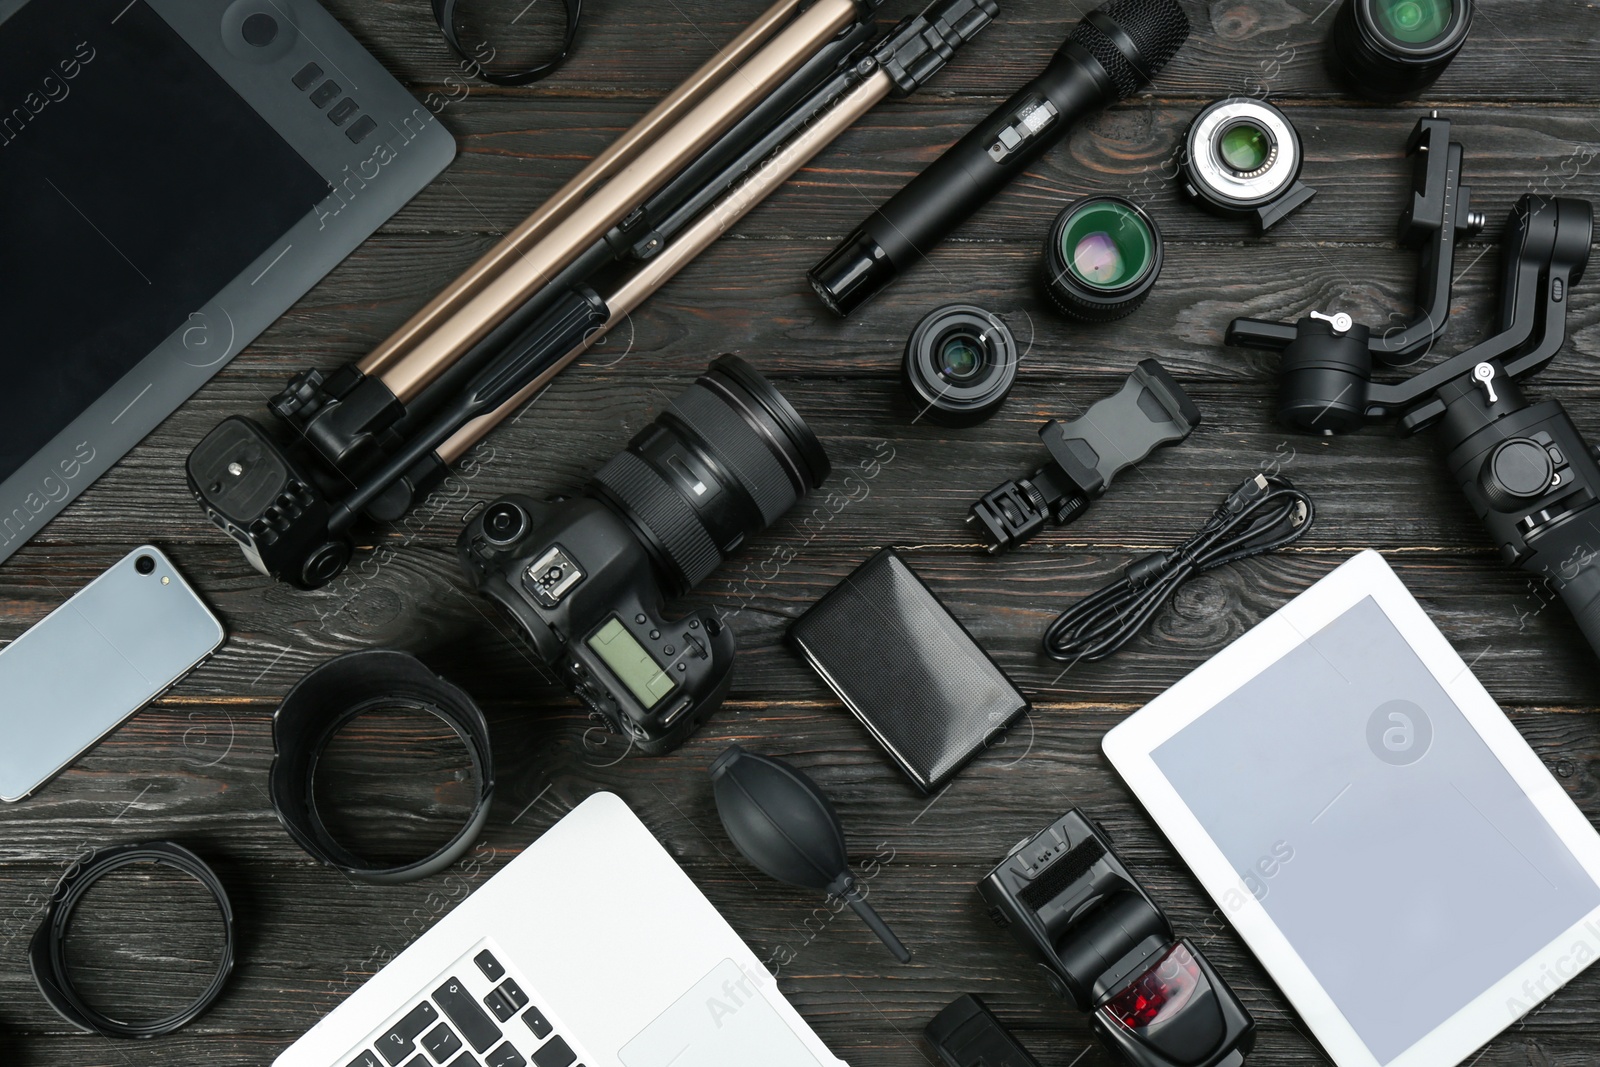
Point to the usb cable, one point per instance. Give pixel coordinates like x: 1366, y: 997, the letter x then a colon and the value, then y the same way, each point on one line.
x: 1262, y: 514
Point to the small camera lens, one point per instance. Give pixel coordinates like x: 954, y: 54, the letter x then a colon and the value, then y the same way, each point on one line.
x: 960, y: 356
x: 1101, y: 258
x: 960, y: 363
x: 1394, y: 49
x: 504, y: 522
x: 145, y: 564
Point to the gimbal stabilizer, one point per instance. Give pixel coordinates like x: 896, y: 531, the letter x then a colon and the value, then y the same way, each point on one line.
x: 1327, y: 359
x: 1525, y: 468
x: 374, y: 437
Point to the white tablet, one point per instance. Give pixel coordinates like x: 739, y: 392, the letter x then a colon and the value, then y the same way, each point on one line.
x: 1372, y: 824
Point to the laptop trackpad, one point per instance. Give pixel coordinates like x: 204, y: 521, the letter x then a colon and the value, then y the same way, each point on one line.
x: 724, y: 1020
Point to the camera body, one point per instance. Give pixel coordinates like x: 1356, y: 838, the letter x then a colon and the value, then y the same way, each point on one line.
x: 582, y: 588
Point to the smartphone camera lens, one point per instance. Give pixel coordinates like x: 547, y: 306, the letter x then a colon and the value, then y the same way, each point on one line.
x: 960, y: 364
x: 504, y: 523
x: 1394, y: 49
x: 145, y: 564
x: 1101, y: 258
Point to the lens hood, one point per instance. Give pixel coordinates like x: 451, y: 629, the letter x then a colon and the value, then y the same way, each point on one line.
x: 324, y: 702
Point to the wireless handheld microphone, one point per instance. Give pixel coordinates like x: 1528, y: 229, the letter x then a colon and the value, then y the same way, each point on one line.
x: 1116, y: 50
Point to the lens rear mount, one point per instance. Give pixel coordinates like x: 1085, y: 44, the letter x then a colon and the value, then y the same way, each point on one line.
x: 1241, y: 159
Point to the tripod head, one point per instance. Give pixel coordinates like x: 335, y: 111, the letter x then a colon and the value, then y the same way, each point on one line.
x: 1327, y: 359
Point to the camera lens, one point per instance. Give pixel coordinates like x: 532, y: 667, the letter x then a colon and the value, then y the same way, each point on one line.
x: 1242, y: 157
x: 1245, y: 147
x: 960, y: 364
x: 1394, y: 49
x: 1101, y: 258
x: 504, y: 522
x: 145, y: 565
x: 726, y: 459
x: 960, y: 357
x: 1413, y: 21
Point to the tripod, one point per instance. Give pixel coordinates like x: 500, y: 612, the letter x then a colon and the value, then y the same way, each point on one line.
x: 373, y: 437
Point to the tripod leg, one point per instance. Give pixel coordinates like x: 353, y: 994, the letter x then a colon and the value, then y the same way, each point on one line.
x: 621, y: 152
x: 733, y: 206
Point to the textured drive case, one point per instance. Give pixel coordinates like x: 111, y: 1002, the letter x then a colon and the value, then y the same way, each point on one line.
x: 911, y: 673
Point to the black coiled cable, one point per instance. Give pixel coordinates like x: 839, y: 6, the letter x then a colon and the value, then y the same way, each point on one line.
x: 1263, y: 514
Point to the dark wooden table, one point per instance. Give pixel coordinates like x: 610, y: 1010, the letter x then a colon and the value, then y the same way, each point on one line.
x: 1525, y: 103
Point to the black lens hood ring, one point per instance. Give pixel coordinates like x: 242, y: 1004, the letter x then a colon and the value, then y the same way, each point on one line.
x: 776, y: 407
x: 326, y: 700
x: 444, y: 13
x: 47, y: 957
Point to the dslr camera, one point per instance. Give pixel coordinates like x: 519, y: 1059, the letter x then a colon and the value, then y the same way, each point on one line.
x: 586, y: 579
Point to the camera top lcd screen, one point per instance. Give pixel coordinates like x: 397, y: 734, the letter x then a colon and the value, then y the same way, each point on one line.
x: 1378, y: 830
x: 134, y: 184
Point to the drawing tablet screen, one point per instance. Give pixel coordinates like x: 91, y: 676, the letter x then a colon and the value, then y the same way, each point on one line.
x: 1377, y: 829
x: 134, y: 185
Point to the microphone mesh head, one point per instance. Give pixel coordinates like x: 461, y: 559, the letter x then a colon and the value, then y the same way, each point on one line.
x: 1157, y: 28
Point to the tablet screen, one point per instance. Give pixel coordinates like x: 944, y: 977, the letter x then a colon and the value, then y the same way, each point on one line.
x: 1377, y: 829
x: 134, y: 184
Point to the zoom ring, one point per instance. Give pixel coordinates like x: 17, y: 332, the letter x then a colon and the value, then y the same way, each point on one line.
x: 740, y: 449
x: 659, y: 507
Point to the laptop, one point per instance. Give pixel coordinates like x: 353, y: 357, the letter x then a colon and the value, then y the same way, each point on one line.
x: 590, y: 949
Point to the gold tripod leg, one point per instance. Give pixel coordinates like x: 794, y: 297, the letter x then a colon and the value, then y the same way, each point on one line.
x: 497, y: 294
x: 623, y: 149
x: 729, y: 209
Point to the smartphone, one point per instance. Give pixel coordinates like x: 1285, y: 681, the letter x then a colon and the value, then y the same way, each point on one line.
x: 85, y: 668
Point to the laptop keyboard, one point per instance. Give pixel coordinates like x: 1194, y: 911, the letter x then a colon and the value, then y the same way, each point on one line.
x: 476, y: 1015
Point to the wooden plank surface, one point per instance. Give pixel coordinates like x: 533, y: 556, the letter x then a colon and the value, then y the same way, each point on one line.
x: 1526, y: 105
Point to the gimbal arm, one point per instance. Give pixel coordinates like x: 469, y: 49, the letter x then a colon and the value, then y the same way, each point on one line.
x: 1438, y: 216
x: 1546, y: 247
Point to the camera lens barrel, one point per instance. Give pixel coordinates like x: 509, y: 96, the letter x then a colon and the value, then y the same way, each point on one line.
x: 728, y: 457
x: 960, y: 364
x: 1394, y: 49
x: 1101, y: 258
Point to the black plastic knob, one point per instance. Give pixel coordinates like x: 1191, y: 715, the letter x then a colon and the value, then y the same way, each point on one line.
x: 1516, y: 472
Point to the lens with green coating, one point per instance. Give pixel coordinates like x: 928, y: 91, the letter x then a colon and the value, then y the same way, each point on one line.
x: 1244, y: 147
x: 1107, y: 245
x: 1413, y: 21
x: 1101, y: 258
x: 960, y: 357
